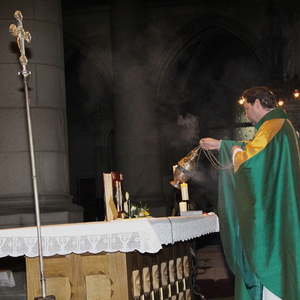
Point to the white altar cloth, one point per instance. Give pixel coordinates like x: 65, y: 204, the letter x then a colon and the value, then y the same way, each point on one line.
x: 142, y: 234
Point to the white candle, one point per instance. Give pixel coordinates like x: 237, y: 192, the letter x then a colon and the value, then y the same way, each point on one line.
x: 184, y: 191
x: 182, y: 206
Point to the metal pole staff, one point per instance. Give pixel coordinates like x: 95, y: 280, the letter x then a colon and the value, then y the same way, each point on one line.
x: 22, y: 36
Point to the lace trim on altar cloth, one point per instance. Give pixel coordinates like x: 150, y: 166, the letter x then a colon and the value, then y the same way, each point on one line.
x: 144, y: 235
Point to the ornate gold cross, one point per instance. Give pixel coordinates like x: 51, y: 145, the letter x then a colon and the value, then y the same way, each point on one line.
x: 22, y: 36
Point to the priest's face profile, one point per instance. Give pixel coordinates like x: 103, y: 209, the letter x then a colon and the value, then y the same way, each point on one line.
x: 252, y: 111
x: 249, y: 111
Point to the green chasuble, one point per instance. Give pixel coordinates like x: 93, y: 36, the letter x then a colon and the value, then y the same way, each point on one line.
x: 259, y: 210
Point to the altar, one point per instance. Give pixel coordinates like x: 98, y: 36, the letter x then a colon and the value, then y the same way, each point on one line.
x: 142, y: 258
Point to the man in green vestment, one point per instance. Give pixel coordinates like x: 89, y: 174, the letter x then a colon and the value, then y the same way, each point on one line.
x: 259, y: 202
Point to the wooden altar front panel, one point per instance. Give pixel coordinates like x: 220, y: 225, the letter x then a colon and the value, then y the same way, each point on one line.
x: 115, y: 276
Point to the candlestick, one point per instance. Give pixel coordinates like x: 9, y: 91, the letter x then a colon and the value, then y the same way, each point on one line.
x: 128, y: 204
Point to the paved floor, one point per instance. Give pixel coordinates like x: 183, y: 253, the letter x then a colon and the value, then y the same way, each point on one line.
x: 214, y: 280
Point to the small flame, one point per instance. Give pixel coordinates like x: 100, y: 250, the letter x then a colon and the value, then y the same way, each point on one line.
x: 241, y: 101
x: 296, y: 93
x: 280, y: 102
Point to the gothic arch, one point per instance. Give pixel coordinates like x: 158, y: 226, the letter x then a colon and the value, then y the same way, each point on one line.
x: 193, y: 32
x: 181, y: 62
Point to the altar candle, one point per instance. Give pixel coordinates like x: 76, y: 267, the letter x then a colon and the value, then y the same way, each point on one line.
x: 182, y: 206
x: 184, y: 191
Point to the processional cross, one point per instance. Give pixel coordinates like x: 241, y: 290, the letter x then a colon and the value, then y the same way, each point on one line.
x: 22, y: 36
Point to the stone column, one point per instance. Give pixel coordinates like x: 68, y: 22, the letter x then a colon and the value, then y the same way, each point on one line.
x: 137, y: 149
x: 42, y: 18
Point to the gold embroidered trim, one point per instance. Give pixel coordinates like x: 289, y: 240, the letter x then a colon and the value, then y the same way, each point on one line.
x: 262, y: 138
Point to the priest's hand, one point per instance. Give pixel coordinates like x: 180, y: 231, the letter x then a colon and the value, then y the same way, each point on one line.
x: 210, y: 144
x: 236, y: 149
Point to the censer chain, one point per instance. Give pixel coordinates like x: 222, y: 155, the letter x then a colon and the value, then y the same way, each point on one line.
x: 214, y: 161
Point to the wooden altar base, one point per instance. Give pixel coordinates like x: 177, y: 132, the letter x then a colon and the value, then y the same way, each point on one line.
x: 115, y: 276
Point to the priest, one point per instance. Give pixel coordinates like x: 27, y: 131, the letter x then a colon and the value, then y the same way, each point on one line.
x: 259, y: 202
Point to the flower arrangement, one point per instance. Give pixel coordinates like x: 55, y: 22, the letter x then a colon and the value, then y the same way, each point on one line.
x: 139, y: 210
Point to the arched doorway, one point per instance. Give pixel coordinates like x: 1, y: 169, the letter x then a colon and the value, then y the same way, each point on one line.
x: 202, y: 75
